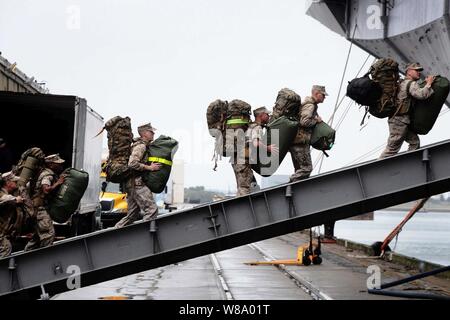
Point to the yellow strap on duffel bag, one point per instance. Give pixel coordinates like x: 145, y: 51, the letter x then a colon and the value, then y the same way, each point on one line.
x: 160, y: 160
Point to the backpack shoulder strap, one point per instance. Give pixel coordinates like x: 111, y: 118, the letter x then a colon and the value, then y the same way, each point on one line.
x: 411, y: 98
x: 400, y: 105
x: 408, y: 86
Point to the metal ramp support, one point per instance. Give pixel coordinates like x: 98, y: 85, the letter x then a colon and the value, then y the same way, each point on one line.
x: 109, y: 254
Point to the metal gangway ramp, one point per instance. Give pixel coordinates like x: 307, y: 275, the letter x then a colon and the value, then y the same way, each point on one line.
x: 213, y: 227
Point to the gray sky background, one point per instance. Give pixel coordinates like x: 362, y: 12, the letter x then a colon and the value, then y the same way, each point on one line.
x: 165, y: 61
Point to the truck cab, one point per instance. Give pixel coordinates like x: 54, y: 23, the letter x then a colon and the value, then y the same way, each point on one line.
x: 114, y: 206
x: 113, y: 201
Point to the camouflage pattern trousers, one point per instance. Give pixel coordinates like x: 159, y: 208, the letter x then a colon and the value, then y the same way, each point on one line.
x: 399, y: 132
x: 244, y: 178
x: 140, y: 203
x: 44, y: 231
x: 5, y: 246
x: 301, y: 158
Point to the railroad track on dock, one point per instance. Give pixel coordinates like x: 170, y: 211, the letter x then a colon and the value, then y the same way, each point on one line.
x: 303, y: 284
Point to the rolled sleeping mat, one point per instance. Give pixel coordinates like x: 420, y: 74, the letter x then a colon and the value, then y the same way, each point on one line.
x: 322, y: 137
x: 162, y: 150
x: 68, y: 196
x: 424, y: 113
x: 284, y: 130
x: 29, y: 170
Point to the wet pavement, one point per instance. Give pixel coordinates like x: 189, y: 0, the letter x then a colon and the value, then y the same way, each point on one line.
x: 192, y: 279
x: 248, y: 282
x: 342, y: 275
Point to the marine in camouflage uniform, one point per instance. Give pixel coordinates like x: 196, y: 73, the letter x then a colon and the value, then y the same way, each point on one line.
x: 245, y: 179
x: 308, y: 118
x: 243, y: 172
x: 399, y: 124
x: 139, y: 197
x: 255, y: 133
x: 47, y: 182
x: 242, y: 169
x: 8, y: 211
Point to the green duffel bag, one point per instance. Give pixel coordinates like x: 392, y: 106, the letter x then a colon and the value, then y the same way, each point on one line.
x: 424, y: 113
x: 161, y: 151
x: 69, y: 194
x: 322, y: 137
x: 287, y: 128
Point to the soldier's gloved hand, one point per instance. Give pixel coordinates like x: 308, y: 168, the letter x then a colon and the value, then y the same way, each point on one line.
x: 154, y: 166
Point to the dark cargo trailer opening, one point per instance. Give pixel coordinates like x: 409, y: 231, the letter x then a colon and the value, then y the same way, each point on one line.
x: 58, y: 124
x: 38, y: 120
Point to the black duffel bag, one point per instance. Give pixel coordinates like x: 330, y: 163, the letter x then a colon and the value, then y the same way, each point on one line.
x: 364, y: 91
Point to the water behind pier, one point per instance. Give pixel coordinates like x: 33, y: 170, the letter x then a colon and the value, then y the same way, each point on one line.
x: 426, y: 236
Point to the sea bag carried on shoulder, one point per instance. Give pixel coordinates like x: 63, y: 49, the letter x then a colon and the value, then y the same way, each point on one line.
x: 162, y: 151
x: 68, y: 195
x: 424, y: 113
x: 281, y: 132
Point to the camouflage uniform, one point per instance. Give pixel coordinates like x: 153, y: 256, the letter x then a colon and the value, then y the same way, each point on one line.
x: 398, y: 124
x: 139, y: 196
x: 7, y: 213
x: 241, y: 165
x: 300, y: 150
x: 244, y: 178
x: 254, y: 132
x: 24, y: 211
x: 44, y: 231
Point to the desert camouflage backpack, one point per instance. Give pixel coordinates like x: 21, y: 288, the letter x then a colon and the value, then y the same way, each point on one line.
x: 225, y: 120
x: 238, y: 119
x: 287, y: 104
x: 385, y: 72
x: 216, y: 115
x: 120, y: 139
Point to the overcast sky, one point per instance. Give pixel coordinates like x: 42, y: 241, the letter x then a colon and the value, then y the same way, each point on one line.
x: 165, y: 61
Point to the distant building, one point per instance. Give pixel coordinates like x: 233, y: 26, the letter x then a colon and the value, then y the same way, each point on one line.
x: 13, y: 79
x: 176, y: 183
x: 173, y: 194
